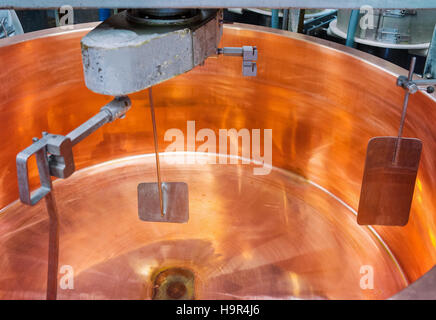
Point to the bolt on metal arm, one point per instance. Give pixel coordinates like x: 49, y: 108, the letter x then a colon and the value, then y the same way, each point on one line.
x: 54, y: 153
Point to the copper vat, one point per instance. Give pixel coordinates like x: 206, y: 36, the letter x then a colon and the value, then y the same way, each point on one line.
x: 290, y: 234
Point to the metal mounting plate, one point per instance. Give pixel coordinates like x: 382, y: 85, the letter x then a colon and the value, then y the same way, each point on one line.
x: 175, y: 202
x: 387, y: 187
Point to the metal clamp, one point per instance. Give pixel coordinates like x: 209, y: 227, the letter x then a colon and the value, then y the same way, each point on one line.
x: 249, y: 58
x: 54, y: 153
x: 413, y: 85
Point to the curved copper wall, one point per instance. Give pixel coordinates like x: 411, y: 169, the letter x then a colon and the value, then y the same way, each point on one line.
x: 323, y: 102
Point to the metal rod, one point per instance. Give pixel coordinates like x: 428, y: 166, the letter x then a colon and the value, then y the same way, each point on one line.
x: 352, y: 26
x: 53, y: 247
x: 275, y: 18
x: 406, y: 98
x: 425, y: 82
x: 156, y: 150
x: 285, y: 19
x: 115, y: 109
x: 404, y: 112
x: 90, y: 126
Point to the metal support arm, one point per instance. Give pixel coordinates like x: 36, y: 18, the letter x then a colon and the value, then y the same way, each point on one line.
x: 413, y: 85
x: 54, y: 153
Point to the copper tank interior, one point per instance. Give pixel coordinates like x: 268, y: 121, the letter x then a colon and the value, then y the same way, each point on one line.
x: 290, y: 234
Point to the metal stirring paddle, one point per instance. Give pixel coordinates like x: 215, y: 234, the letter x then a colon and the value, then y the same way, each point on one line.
x: 389, y: 177
x: 162, y: 201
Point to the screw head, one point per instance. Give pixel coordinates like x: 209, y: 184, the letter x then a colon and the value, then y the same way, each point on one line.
x: 430, y: 89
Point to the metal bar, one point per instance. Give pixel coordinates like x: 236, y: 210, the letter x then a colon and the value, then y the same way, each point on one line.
x: 404, y: 112
x: 406, y: 98
x: 275, y: 18
x: 309, y: 4
x: 53, y: 247
x: 115, y: 109
x: 301, y: 21
x: 231, y: 51
x: 156, y: 150
x: 285, y: 19
x: 311, y: 25
x: 424, y: 82
x: 84, y: 130
x: 296, y: 20
x: 352, y: 26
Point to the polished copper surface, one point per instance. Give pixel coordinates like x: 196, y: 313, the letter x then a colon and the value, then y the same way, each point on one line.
x: 272, y: 236
x: 323, y: 102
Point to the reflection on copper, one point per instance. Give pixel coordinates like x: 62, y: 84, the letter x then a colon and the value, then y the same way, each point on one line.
x: 289, y: 234
x: 273, y: 237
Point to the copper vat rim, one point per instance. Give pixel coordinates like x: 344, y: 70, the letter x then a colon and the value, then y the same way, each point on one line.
x: 362, y: 56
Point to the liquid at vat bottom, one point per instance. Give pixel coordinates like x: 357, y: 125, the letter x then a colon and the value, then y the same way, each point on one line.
x: 275, y: 236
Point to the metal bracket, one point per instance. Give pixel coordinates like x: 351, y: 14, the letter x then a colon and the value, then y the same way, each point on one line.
x: 413, y: 85
x: 392, y: 35
x: 39, y: 149
x: 249, y: 58
x: 399, y: 13
x: 54, y: 153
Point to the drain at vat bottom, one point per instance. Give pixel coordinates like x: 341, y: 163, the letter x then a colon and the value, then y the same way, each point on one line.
x: 174, y: 284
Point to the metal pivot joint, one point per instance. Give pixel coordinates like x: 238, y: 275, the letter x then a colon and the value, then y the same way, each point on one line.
x: 249, y: 58
x: 412, y: 86
x: 54, y: 153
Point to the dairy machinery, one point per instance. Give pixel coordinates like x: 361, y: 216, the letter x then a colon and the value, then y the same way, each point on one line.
x: 166, y: 154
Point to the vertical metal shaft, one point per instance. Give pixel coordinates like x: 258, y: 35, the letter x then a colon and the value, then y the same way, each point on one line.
x: 156, y: 150
x: 53, y: 247
x: 406, y: 98
x: 404, y: 111
x: 285, y: 19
